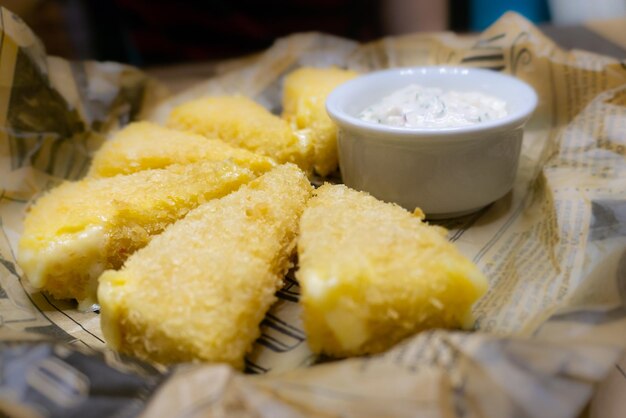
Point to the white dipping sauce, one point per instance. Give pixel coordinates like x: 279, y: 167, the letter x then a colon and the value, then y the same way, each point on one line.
x: 422, y: 107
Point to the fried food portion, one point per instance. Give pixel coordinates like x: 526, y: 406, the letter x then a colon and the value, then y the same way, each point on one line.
x: 79, y: 229
x: 242, y: 122
x: 304, y: 106
x: 372, y: 274
x: 199, y: 291
x: 144, y: 145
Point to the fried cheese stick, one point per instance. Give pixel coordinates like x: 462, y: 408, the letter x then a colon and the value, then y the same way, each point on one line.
x: 79, y: 229
x: 372, y: 273
x: 144, y: 145
x: 304, y: 106
x: 199, y: 291
x: 242, y: 122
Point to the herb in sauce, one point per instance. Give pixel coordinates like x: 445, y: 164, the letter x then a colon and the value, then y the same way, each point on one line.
x: 422, y: 107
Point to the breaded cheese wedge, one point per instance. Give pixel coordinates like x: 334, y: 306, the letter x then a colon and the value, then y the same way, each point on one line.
x: 242, y: 122
x: 304, y: 106
x: 145, y: 145
x: 79, y: 229
x: 199, y: 291
x: 372, y: 273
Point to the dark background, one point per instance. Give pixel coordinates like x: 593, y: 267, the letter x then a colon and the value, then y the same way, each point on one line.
x: 155, y: 32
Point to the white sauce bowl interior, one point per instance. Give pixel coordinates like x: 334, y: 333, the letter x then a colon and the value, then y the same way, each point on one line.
x: 444, y: 171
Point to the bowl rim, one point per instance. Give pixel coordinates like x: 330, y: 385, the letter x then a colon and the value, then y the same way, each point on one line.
x: 510, y: 121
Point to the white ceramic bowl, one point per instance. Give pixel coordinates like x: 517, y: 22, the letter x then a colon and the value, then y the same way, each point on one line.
x: 444, y: 171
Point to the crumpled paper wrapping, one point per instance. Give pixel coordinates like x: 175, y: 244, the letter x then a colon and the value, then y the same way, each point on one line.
x: 549, y: 334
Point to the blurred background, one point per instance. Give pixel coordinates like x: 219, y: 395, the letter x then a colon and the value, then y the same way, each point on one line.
x: 157, y: 32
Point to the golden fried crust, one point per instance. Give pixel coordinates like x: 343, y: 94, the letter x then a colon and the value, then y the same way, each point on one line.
x: 372, y: 274
x: 79, y: 229
x: 304, y: 106
x: 144, y: 145
x: 242, y: 122
x: 199, y: 291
